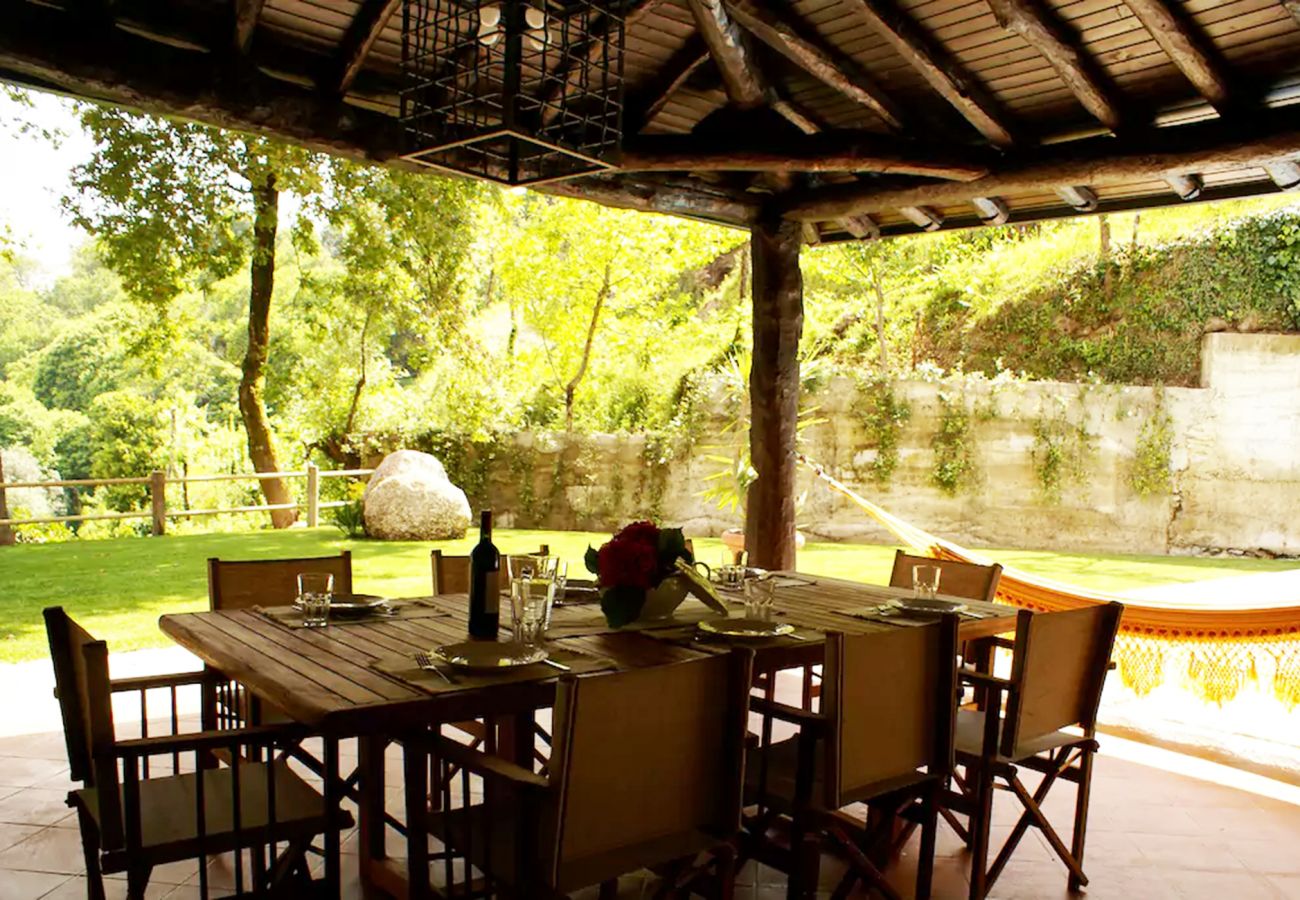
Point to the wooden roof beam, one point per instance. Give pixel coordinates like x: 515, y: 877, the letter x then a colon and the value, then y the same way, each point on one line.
x: 1185, y: 47
x: 815, y: 58
x: 826, y: 152
x: 367, y: 25
x: 923, y: 217
x: 1293, y: 7
x: 992, y: 210
x: 247, y: 12
x: 588, y: 49
x: 744, y: 84
x: 1188, y: 187
x: 1049, y: 37
x: 1203, y: 147
x: 1080, y: 196
x: 946, y: 76
x: 1285, y: 174
x: 861, y: 227
x: 646, y: 106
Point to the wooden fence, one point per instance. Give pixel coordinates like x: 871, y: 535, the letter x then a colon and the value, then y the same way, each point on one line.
x: 158, y: 511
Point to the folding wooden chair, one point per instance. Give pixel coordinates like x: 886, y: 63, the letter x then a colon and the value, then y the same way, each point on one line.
x: 884, y: 737
x: 646, y: 772
x: 959, y: 579
x: 1058, y: 669
x: 140, y: 820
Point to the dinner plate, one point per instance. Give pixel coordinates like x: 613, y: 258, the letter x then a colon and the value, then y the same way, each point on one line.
x: 579, y: 592
x: 754, y: 629
x: 354, y: 604
x: 931, y: 605
x: 485, y: 655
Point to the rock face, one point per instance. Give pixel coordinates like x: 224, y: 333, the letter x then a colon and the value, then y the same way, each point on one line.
x: 410, y: 498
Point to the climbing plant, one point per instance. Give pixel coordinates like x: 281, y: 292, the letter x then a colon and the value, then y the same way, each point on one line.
x: 1063, y: 451
x: 882, y: 415
x: 1150, y: 473
x: 954, y: 456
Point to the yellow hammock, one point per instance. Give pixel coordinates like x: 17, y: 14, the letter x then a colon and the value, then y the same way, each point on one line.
x: 1223, y: 647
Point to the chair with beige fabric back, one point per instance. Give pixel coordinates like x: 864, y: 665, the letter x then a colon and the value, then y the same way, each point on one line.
x: 634, y: 782
x: 883, y: 737
x: 244, y: 583
x: 1058, y: 669
x: 958, y: 579
x: 138, y: 819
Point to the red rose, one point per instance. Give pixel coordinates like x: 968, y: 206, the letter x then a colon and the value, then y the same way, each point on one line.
x: 628, y: 563
x: 643, y: 532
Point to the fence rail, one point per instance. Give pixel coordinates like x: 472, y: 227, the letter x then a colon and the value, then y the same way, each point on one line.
x: 158, y: 482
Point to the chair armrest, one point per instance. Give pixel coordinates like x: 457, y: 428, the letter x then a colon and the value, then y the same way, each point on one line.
x: 786, y: 713
x: 264, y: 735
x: 150, y: 682
x: 970, y: 676
x: 487, y: 765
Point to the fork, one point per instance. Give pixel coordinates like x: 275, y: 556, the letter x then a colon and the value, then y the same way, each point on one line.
x: 425, y: 661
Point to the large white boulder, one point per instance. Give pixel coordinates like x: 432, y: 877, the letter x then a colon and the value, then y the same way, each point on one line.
x: 410, y: 498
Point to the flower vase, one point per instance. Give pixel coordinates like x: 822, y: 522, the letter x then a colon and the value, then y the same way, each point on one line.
x: 662, y: 601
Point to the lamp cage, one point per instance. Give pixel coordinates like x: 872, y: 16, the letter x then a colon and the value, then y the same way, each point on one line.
x: 516, y: 91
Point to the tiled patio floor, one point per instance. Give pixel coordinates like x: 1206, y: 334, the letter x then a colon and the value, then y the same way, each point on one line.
x: 1163, y: 826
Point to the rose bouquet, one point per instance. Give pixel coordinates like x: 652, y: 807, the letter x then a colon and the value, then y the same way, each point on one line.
x: 633, y: 563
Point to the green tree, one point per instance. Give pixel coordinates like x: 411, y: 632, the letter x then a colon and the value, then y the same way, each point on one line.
x: 175, y: 205
x: 128, y: 434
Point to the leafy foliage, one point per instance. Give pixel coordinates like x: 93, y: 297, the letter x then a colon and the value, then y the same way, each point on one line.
x: 1062, y: 452
x: 954, y: 458
x: 882, y: 415
x: 1150, y: 474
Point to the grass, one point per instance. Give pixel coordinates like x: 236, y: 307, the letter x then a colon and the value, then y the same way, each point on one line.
x: 119, y: 588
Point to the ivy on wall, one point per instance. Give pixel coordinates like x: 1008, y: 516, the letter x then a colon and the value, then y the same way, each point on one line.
x: 1150, y: 472
x: 954, y: 456
x: 882, y: 416
x: 1063, y: 452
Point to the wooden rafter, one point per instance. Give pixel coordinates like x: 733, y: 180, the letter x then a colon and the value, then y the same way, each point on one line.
x: 360, y: 37
x: 992, y: 210
x: 1049, y: 37
x: 645, y: 107
x: 1185, y: 47
x: 815, y: 58
x: 1079, y: 196
x: 948, y: 78
x: 1202, y: 147
x: 1285, y: 174
x: 1293, y: 7
x: 1188, y: 187
x: 588, y: 50
x: 745, y: 85
x: 826, y: 152
x: 247, y: 12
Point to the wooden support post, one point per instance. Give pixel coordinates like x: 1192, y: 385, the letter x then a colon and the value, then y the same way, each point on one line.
x: 7, y: 537
x: 774, y: 393
x: 158, y: 501
x: 313, y: 495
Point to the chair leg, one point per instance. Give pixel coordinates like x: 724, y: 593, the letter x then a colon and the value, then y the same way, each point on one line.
x: 608, y: 889
x: 805, y: 862
x: 1081, y: 815
x: 929, y: 832
x: 137, y: 881
x: 90, y: 847
x: 978, y: 828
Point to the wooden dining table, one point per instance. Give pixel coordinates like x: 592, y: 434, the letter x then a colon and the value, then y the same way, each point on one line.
x: 334, y: 680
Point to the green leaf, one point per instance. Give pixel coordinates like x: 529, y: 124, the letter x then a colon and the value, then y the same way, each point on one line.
x: 622, y: 605
x: 672, y: 546
x: 592, y: 560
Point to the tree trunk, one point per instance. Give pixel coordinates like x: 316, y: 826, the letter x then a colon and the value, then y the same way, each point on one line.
x: 880, y: 321
x: 571, y: 389
x: 7, y: 538
x: 1103, y: 249
x: 261, y: 446
x: 774, y: 394
x: 361, y: 379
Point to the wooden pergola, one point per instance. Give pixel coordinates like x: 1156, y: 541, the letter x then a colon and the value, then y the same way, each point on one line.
x: 804, y: 121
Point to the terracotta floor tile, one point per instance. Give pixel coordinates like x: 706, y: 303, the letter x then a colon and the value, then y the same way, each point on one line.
x: 12, y: 834
x: 1287, y: 886
x: 1187, y: 853
x: 27, y: 885
x: 35, y: 806
x: 1223, y: 886
x: 1267, y: 857
x: 48, y: 850
x: 19, y: 771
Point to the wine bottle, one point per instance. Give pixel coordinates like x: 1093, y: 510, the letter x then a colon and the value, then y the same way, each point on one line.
x: 484, y: 583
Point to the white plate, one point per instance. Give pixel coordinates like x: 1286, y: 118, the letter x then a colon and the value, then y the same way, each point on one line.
x: 927, y: 605
x: 354, y: 604
x: 485, y: 655
x: 754, y: 629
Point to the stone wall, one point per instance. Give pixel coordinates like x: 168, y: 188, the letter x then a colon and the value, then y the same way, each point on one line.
x: 1234, y: 464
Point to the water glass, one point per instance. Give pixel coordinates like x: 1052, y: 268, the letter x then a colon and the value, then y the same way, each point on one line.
x: 925, y: 582
x: 560, y: 575
x: 530, y: 608
x: 729, y: 576
x: 314, y: 590
x: 759, y: 596
x: 529, y: 566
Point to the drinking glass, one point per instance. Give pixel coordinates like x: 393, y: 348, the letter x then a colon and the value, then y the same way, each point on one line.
x: 530, y: 607
x: 925, y: 582
x: 559, y: 575
x: 730, y: 576
x: 314, y: 590
x: 759, y: 595
x: 529, y: 566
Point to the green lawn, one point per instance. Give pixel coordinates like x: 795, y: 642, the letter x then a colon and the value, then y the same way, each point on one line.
x: 119, y: 588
